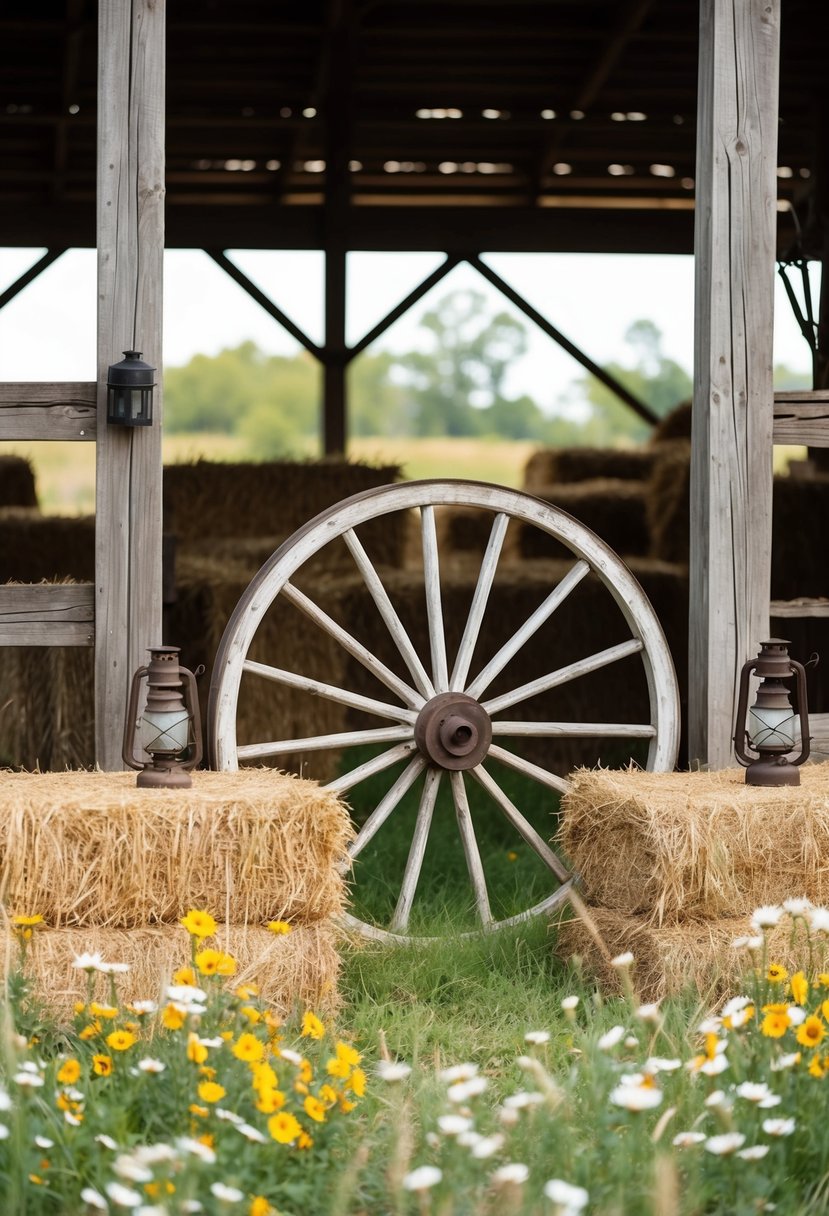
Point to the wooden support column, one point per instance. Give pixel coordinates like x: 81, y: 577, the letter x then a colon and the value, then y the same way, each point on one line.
x: 130, y: 237
x: 731, y: 465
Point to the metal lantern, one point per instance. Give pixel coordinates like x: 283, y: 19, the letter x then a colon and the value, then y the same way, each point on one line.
x: 169, y: 729
x: 130, y: 387
x: 772, y: 726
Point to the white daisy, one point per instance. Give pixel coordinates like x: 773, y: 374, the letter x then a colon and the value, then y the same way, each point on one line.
x: 422, y: 1178
x: 779, y: 1127
x: 453, y: 1125
x: 726, y: 1144
x: 612, y: 1038
x: 94, y: 1199
x: 392, y: 1070
x: 766, y: 917
x: 755, y: 1152
x: 566, y: 1195
x: 226, y: 1194
x: 458, y: 1072
x: 636, y: 1097
x: 687, y: 1139
x: 462, y: 1091
x: 514, y: 1172
x: 537, y: 1037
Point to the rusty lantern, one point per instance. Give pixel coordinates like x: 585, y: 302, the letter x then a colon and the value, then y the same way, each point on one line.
x: 772, y: 726
x: 168, y: 730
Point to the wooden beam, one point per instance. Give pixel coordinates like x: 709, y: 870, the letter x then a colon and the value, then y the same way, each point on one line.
x: 62, y: 410
x: 47, y: 614
x: 731, y: 467
x: 802, y: 418
x: 405, y: 304
x: 50, y: 256
x: 131, y: 67
x: 273, y: 310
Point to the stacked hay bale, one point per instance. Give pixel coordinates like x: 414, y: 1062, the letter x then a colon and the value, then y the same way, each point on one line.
x: 17, y: 482
x: 613, y: 508
x: 673, y: 864
x: 559, y: 466
x: 113, y: 869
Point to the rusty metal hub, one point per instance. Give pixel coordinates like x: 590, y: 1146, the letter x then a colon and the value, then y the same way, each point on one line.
x: 453, y: 731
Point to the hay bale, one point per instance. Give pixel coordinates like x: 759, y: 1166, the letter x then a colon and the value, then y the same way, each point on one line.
x: 668, y: 502
x: 675, y: 425
x: 672, y: 958
x: 297, y: 970
x: 35, y: 546
x: 464, y: 530
x: 17, y: 482
x: 215, y: 499
x: 552, y: 466
x: 672, y: 846
x: 47, y: 707
x: 612, y: 508
x: 91, y: 850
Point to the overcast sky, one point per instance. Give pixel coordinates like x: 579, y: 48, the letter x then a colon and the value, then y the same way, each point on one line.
x: 48, y: 331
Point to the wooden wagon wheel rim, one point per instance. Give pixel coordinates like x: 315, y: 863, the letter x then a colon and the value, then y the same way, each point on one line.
x: 444, y: 724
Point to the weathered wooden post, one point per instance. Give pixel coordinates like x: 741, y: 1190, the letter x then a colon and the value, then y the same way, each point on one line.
x: 130, y: 237
x: 731, y: 465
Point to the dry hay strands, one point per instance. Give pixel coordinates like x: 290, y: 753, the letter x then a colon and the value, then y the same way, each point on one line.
x: 216, y: 499
x: 668, y: 502
x: 670, y: 846
x: 612, y: 508
x: 89, y: 849
x: 294, y: 971
x: 47, y: 711
x: 17, y: 482
x: 549, y: 466
x: 671, y: 958
x: 35, y: 546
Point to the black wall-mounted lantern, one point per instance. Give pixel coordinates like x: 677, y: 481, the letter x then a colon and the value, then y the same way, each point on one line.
x: 772, y: 726
x: 130, y: 387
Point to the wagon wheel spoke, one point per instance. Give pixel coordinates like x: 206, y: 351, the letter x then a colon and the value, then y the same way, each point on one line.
x: 524, y: 828
x: 317, y: 743
x: 534, y: 622
x: 483, y: 587
x: 387, y: 611
x: 574, y: 730
x: 352, y: 646
x: 470, y: 849
x: 414, y: 862
x: 563, y: 675
x: 529, y: 770
x: 385, y: 807
x: 434, y: 607
x: 368, y: 769
x: 382, y: 709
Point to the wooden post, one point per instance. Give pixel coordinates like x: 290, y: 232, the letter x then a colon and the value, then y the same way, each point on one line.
x: 731, y: 464
x: 131, y: 52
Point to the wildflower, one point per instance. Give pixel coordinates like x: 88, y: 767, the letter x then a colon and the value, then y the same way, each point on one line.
x: 754, y: 1091
x: 512, y: 855
x: 196, y: 1050
x: 279, y: 927
x: 775, y: 1024
x: 569, y: 1004
x: 623, y: 960
x: 248, y: 1048
x: 636, y: 1097
x: 523, y: 1099
x: 514, y: 1173
x: 88, y: 962
x: 293, y: 1057
x: 210, y: 1091
x: 537, y: 1037
x: 215, y: 962
x: 565, y: 1195
x: 260, y: 1206
x: 726, y: 1144
x: 649, y: 1013
x: 487, y: 1146
x: 717, y: 1100
x: 392, y: 1070
x: 776, y: 973
x: 185, y: 976
x: 785, y: 1061
x: 172, y: 1017
x: 121, y: 1040
x: 107, y: 1142
x: 102, y: 1065
x: 94, y: 1199
x: 779, y: 1127
x: 462, y: 1091
x: 199, y: 924
x: 186, y: 994
x: 284, y: 1127
x: 819, y: 920
x: 314, y: 1109
x: 756, y: 1152
x: 738, y: 1019
x: 453, y: 1125
x: 250, y: 1133
x: 816, y: 1068
x: 766, y: 917
x: 797, y: 907
x: 611, y: 1038
x: 28, y: 1080
x: 631, y: 1041
x: 148, y: 1064
x: 69, y: 1072
x: 687, y: 1139
x: 226, y: 1194
x: 810, y: 1033
x: 122, y: 1196
x: 131, y: 1169
x: 312, y: 1027
x: 656, y: 1064
x: 422, y: 1178
x: 800, y: 987
x: 24, y: 925
x: 186, y: 1144
x: 458, y: 1072
x: 747, y: 943
x: 713, y: 1067
x: 115, y: 968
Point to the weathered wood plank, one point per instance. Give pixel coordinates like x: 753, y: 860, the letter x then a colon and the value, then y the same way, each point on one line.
x: 802, y: 418
x: 131, y: 63
x: 819, y: 732
x: 731, y: 470
x: 47, y: 614
x: 64, y: 410
x: 799, y: 608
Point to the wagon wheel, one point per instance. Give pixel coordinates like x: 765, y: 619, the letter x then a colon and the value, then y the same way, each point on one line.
x: 439, y: 720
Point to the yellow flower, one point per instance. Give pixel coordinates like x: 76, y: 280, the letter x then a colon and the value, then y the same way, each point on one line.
x: 79, y: 1007
x: 172, y: 1017
x: 800, y: 987
x: 306, y: 1072
x: 102, y: 1065
x: 328, y: 1095
x: 214, y: 962
x: 312, y: 1027
x: 824, y: 1009
x: 210, y: 1091
x: 103, y: 1011
x: 26, y: 922
x: 279, y: 926
x: 196, y: 1051
x: 252, y: 1015
x: 314, y: 1109
x: 247, y: 992
x: 185, y: 977
x: 200, y: 1112
x: 357, y: 1082
x: 260, y: 1207
x: 90, y: 1031
x: 823, y: 979
x: 775, y: 1025
x: 69, y: 1072
x: 810, y: 1033
x: 512, y: 855
x: 121, y: 1040
x: 337, y: 1068
x: 816, y: 1069
x: 284, y: 1127
x: 270, y: 1100
x: 210, y: 1073
x: 264, y: 1076
x: 345, y: 1051
x: 776, y: 973
x: 248, y: 1048
x: 199, y: 924
x: 304, y: 1141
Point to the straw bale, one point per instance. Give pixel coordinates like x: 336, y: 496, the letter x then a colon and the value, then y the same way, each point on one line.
x: 612, y: 508
x: 47, y: 709
x: 90, y: 849
x: 674, y: 425
x: 216, y: 499
x: 467, y: 530
x: 294, y: 971
x: 672, y: 958
x: 17, y: 482
x: 668, y: 502
x: 673, y: 846
x: 551, y: 466
x: 35, y: 546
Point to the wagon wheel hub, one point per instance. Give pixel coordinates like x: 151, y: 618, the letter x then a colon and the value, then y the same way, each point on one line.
x: 453, y: 731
